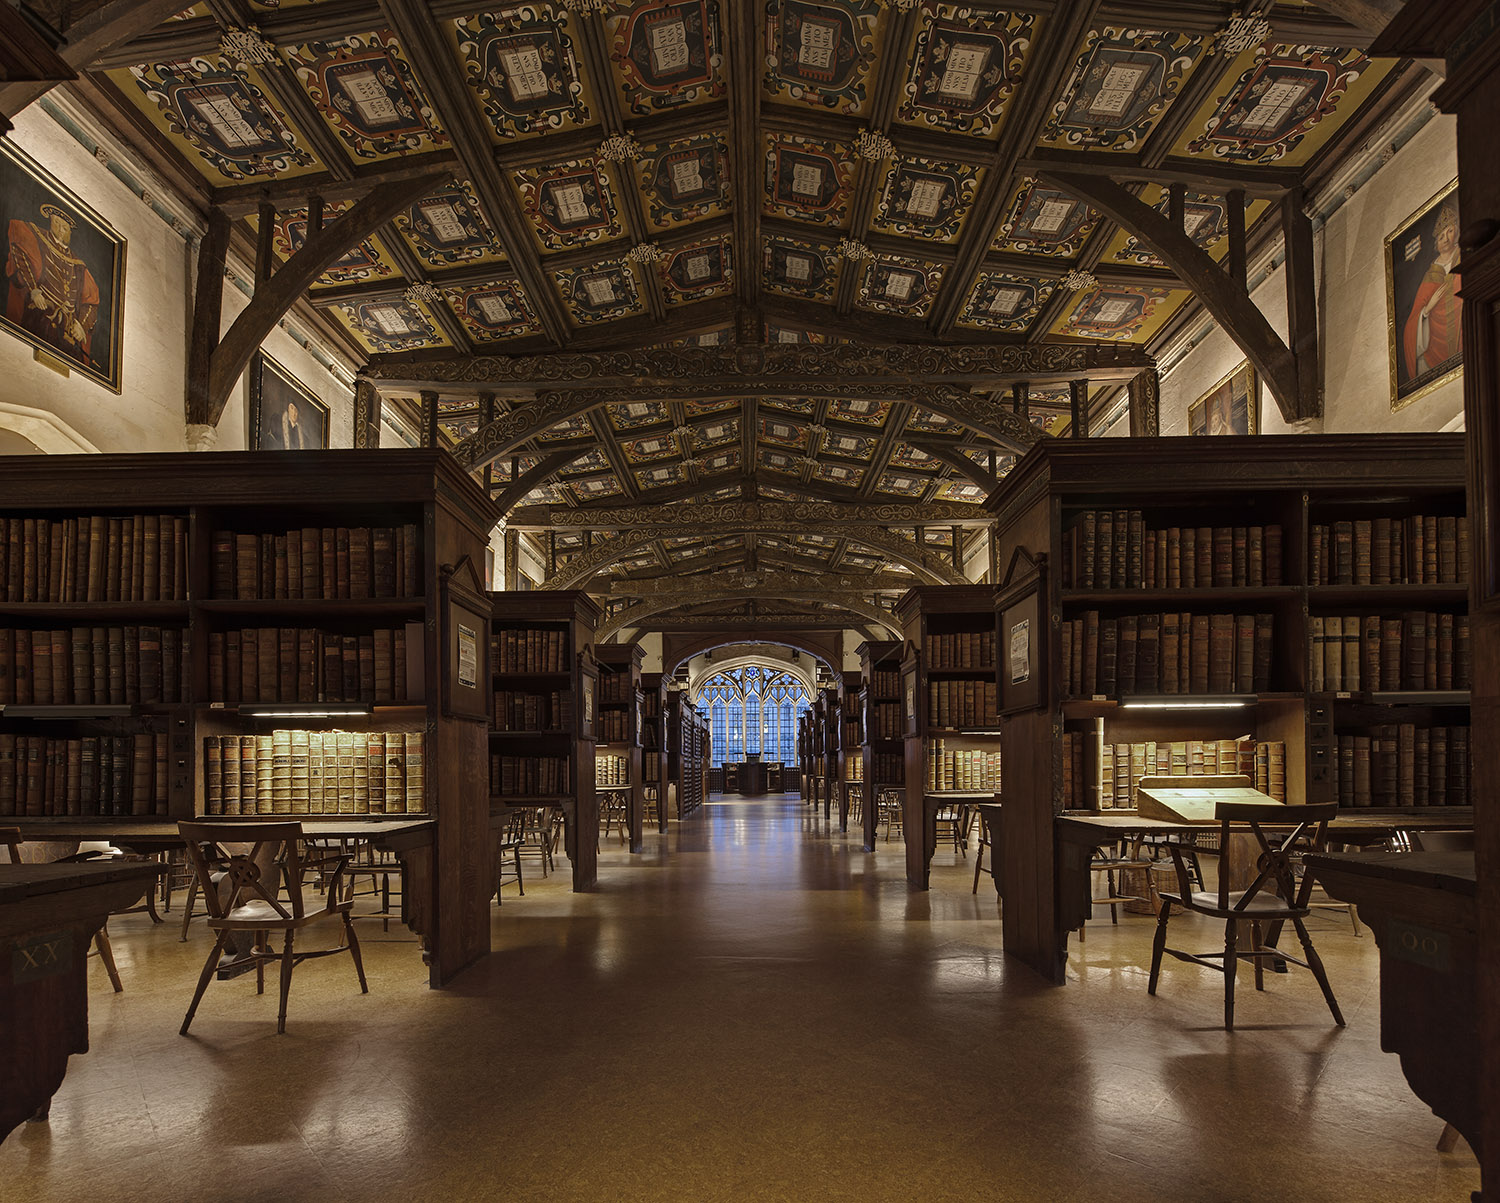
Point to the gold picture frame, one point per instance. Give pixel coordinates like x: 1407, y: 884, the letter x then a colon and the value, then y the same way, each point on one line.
x: 65, y: 267
x: 1232, y: 406
x: 284, y: 414
x: 1424, y: 313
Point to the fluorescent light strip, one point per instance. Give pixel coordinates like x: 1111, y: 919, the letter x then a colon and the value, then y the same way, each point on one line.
x: 347, y: 712
x: 1185, y: 703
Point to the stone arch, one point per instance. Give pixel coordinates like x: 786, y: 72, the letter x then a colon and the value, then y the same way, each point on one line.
x: 44, y: 431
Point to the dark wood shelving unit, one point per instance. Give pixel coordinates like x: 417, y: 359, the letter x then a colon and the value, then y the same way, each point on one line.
x: 1242, y: 484
x: 246, y: 494
x: 542, y: 644
x: 621, y: 703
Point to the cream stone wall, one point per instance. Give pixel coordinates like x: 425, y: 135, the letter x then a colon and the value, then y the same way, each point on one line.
x: 148, y: 413
x: 1349, y: 250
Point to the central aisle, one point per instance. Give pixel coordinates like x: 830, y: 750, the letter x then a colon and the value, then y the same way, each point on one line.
x: 753, y: 1009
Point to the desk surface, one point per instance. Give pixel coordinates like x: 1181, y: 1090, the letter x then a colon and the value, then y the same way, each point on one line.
x: 1453, y: 871
x: 1341, y: 824
x: 21, y: 882
x: 133, y: 831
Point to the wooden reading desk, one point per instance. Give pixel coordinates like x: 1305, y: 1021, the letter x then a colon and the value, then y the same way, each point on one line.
x: 409, y: 838
x: 1423, y: 909
x: 48, y: 917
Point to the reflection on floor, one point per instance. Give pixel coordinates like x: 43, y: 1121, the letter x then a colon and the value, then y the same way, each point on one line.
x: 752, y: 1009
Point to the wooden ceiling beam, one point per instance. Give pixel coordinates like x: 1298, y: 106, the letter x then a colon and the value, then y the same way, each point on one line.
x: 1267, y: 182
x: 1050, y: 61
x: 449, y: 97
x: 274, y: 297
x: 822, y: 517
x: 134, y: 129
x: 1228, y: 301
x: 85, y: 40
x: 742, y: 61
x: 958, y: 461
x: 239, y: 200
x: 513, y: 494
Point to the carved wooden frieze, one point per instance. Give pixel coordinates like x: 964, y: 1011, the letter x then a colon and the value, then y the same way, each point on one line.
x: 715, y: 516
x: 850, y: 362
x: 645, y: 610
x: 770, y: 584
x: 931, y: 569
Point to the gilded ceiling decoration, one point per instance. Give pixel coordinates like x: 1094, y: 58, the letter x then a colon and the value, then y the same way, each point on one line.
x: 779, y: 267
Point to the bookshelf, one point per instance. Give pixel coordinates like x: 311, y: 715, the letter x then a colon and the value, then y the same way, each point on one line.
x: 653, y: 751
x: 688, y: 754
x: 952, y: 732
x: 619, y: 749
x: 1268, y: 611
x: 851, y: 743
x: 882, y: 750
x: 172, y: 615
x: 546, y: 714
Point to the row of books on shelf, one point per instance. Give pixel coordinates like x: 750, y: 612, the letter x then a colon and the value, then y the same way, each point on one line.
x: 315, y: 772
x: 651, y: 769
x: 889, y: 768
x: 854, y: 768
x: 98, y: 666
x: 1401, y: 764
x: 1423, y: 549
x: 616, y: 726
x: 885, y: 683
x: 973, y: 769
x: 314, y: 563
x: 1116, y: 549
x: 962, y: 703
x: 1167, y: 653
x: 44, y: 776
x: 516, y: 710
x: 886, y: 720
x: 616, y: 687
x: 611, y: 770
x: 961, y: 649
x: 303, y: 665
x: 523, y: 776
x: 853, y: 734
x: 1116, y: 778
x: 529, y: 650
x: 94, y: 558
x: 1417, y: 650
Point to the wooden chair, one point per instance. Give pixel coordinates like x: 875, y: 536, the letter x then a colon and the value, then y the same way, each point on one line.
x: 508, y: 847
x: 537, y: 838
x: 244, y: 895
x: 1272, y: 898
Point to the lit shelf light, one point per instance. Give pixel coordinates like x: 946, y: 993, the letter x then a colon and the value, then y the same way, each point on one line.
x: 1202, y: 701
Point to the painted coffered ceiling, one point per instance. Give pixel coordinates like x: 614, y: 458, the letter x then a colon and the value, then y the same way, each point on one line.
x: 626, y: 174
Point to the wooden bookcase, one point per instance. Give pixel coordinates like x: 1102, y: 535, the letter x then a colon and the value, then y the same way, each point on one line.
x: 653, y: 751
x: 952, y: 738
x: 620, y: 721
x: 392, y: 539
x: 542, y: 660
x: 851, y: 743
x: 883, y: 749
x: 1268, y: 693
x: 688, y: 754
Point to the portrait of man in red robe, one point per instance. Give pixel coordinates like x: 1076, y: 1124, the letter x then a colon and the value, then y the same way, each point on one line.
x: 52, y: 294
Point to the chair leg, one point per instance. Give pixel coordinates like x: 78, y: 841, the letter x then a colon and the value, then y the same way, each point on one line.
x: 978, y: 865
x: 260, y: 962
x: 1231, y: 963
x: 288, y: 963
x: 520, y: 886
x: 1255, y: 946
x: 107, y: 955
x: 1315, y: 963
x: 187, y: 910
x: 203, y: 979
x: 359, y: 961
x: 1158, y: 945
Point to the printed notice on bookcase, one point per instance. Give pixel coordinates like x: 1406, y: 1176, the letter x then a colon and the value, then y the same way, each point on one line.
x: 468, y: 656
x: 1020, y: 652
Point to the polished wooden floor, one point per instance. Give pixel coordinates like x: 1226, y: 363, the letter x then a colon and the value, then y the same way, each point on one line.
x: 754, y: 1009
